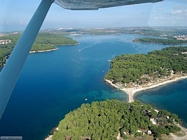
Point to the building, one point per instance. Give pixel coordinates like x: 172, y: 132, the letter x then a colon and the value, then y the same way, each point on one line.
x: 181, y: 37
x: 5, y: 42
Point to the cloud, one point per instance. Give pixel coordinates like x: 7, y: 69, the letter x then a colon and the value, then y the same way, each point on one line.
x: 169, y: 14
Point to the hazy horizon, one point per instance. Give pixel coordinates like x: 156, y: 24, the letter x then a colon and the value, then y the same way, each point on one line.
x: 95, y: 28
x: 16, y: 15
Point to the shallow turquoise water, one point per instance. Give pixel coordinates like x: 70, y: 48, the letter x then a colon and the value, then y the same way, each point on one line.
x: 54, y: 83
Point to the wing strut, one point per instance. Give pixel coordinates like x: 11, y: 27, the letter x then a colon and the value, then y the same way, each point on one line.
x: 11, y: 71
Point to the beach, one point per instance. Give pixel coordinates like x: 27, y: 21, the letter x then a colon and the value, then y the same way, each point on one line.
x: 40, y: 51
x: 134, y: 90
x: 49, y: 137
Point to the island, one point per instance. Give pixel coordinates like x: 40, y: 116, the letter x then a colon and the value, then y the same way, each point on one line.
x: 137, y: 72
x: 45, y: 42
x: 164, y: 41
x: 118, y: 120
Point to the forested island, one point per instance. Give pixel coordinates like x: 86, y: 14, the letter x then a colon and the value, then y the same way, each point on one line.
x: 164, y: 41
x: 44, y: 42
x: 117, y: 120
x: 137, y: 72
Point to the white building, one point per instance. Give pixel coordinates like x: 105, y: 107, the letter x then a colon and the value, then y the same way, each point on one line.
x: 5, y: 42
x: 181, y: 37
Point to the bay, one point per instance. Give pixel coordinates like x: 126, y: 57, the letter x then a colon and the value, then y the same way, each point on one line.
x: 55, y: 83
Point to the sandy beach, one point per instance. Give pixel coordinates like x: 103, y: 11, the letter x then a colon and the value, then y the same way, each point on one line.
x: 132, y: 91
x: 49, y: 137
x: 40, y: 51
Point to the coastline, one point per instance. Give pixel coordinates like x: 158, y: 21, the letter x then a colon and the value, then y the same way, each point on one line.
x: 54, y: 49
x: 177, y: 137
x: 49, y: 137
x: 131, y: 92
x: 41, y: 51
x: 48, y: 50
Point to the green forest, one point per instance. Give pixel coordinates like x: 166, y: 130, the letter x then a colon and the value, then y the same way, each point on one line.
x: 44, y: 41
x: 111, y: 118
x: 167, y: 41
x: 141, y: 68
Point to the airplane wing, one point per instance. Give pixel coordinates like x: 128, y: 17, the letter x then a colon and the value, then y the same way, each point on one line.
x: 96, y: 4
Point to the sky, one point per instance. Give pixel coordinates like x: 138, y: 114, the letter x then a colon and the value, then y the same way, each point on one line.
x: 15, y: 14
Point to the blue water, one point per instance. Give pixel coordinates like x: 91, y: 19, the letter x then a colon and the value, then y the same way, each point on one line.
x: 54, y: 83
x: 172, y: 97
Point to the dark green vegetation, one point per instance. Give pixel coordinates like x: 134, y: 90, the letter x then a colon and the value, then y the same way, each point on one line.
x: 167, y: 41
x: 45, y: 41
x: 107, y: 119
x: 143, y: 68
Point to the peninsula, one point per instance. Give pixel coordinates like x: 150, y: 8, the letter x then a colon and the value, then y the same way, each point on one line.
x: 164, y: 41
x: 113, y: 119
x: 45, y: 42
x: 139, y: 72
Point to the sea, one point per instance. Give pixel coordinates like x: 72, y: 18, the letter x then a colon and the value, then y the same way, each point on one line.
x: 54, y: 83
